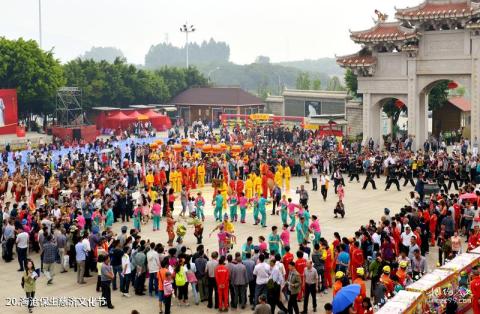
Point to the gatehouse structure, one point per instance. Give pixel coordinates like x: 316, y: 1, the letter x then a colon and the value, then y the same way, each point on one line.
x: 404, y: 59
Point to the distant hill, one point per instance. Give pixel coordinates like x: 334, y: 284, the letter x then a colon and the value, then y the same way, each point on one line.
x: 260, y: 77
x: 323, y: 65
x: 257, y: 77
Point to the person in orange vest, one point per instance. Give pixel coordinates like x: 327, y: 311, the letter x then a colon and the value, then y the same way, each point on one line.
x: 360, y: 280
x: 338, y: 282
x: 402, y: 273
x: 357, y: 260
x: 475, y: 288
x: 222, y: 278
x: 385, y: 278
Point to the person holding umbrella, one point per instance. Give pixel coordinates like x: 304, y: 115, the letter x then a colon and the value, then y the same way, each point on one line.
x: 344, y: 299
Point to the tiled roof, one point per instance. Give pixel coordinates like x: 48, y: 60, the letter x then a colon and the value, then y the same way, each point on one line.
x: 215, y: 96
x: 461, y: 103
x: 356, y: 60
x: 384, y: 32
x: 432, y: 9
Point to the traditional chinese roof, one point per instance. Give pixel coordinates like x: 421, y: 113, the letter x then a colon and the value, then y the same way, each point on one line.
x: 356, y: 60
x: 384, y: 32
x: 438, y: 9
x: 461, y: 103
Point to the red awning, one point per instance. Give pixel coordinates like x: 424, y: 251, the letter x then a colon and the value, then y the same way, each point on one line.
x: 159, y: 121
x: 118, y: 120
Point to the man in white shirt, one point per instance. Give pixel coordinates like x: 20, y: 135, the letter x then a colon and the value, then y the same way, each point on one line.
x: 153, y: 264
x: 406, y: 236
x: 262, y: 271
x: 126, y: 273
x: 22, y: 248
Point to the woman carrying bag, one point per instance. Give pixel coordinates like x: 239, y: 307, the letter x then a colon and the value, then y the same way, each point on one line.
x: 29, y: 282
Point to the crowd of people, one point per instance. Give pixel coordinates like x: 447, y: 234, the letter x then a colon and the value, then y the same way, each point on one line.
x: 67, y: 210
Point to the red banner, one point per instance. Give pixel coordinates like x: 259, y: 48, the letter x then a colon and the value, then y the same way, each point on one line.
x: 8, y: 111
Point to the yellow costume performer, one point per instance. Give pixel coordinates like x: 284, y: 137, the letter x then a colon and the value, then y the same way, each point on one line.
x: 249, y: 187
x: 201, y: 175
x: 279, y: 176
x: 287, y: 174
x: 257, y: 183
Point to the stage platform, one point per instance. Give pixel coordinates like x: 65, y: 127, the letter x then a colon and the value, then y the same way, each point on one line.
x: 17, y: 143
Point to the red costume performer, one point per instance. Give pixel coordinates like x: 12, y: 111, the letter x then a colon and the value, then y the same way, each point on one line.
x: 222, y: 277
x: 163, y: 177
x: 300, y: 265
x: 357, y: 261
x: 193, y: 177
x: 185, y: 180
x: 475, y: 288
x: 239, y: 187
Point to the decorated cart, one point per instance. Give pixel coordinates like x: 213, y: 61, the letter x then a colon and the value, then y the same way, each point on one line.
x: 462, y: 262
x: 462, y: 266
x: 475, y: 251
x: 435, y: 288
x: 407, y: 302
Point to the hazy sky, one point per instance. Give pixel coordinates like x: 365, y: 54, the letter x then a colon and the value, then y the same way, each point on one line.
x: 281, y: 29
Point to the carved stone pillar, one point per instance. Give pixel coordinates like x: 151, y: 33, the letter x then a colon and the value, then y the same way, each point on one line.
x: 475, y: 88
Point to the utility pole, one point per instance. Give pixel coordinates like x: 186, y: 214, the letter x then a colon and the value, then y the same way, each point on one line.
x: 40, y: 22
x: 187, y: 29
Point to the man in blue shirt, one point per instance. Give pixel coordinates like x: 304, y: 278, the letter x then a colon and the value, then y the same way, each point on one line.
x: 343, y: 260
x: 81, y: 255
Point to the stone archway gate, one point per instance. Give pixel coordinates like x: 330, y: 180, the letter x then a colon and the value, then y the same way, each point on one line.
x: 436, y: 40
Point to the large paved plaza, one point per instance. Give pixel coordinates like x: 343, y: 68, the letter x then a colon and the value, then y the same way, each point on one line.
x: 361, y: 205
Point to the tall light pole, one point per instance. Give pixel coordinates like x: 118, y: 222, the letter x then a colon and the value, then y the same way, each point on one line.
x: 210, y: 73
x: 187, y: 29
x: 40, y: 22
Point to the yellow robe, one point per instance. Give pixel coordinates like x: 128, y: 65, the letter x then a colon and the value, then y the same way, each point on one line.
x: 278, y: 178
x: 224, y: 194
x: 249, y: 188
x: 287, y: 174
x: 149, y: 180
x: 258, y: 185
x: 201, y: 176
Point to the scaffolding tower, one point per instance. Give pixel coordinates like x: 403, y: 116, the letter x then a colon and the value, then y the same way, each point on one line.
x: 69, y: 110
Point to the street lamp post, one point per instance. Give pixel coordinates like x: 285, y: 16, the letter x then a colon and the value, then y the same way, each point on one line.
x: 187, y: 29
x: 40, y: 22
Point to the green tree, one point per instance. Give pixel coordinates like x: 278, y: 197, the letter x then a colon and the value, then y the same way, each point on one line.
x: 393, y: 111
x: 438, y: 95
x: 262, y: 59
x: 108, y: 54
x: 120, y: 84
x: 303, y: 81
x: 334, y: 84
x: 317, y: 84
x: 351, y: 82
x: 34, y: 73
x: 165, y: 54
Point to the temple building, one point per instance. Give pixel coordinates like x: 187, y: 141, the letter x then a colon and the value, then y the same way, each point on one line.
x: 437, y: 40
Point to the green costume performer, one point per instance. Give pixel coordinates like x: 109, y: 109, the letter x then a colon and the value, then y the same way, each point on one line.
x: 233, y: 202
x: 274, y: 243
x: 217, y: 212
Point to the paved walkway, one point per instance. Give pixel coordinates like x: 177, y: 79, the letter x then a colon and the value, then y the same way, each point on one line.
x: 360, y: 207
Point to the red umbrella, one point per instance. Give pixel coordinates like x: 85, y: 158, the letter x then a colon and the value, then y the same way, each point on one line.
x: 468, y: 196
